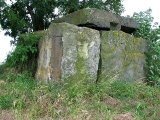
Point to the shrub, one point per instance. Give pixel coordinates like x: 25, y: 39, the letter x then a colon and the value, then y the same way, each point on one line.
x: 24, y: 57
x: 150, y: 32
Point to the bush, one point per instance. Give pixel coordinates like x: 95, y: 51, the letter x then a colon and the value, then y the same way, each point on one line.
x: 24, y: 57
x: 150, y: 32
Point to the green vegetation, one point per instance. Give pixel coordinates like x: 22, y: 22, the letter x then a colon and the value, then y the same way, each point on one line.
x: 24, y: 97
x: 25, y: 55
x: 151, y: 33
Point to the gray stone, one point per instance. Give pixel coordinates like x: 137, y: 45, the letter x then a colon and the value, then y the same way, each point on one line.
x: 122, y: 56
x: 100, y: 20
x: 128, y: 25
x: 67, y: 50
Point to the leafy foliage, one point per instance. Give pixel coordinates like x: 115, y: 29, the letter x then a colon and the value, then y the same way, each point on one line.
x: 70, y: 6
x: 24, y: 57
x: 150, y: 32
x: 24, y: 16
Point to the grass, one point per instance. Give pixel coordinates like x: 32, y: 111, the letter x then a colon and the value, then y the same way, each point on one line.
x: 26, y: 98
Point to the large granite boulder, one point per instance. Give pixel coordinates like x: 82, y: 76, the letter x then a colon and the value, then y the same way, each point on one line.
x: 100, y: 20
x: 122, y: 56
x: 67, y: 50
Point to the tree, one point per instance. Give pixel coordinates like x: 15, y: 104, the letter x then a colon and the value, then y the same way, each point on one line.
x: 23, y: 16
x: 26, y: 15
x: 151, y: 33
x: 70, y: 6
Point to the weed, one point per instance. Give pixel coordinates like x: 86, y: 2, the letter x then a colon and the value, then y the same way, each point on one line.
x: 122, y: 90
x: 6, y: 102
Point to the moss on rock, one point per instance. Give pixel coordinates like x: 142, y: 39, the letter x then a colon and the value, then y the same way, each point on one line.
x: 69, y: 51
x: 122, y: 56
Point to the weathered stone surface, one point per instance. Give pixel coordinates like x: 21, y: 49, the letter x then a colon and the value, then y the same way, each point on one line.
x: 122, y: 56
x: 68, y: 50
x: 128, y: 25
x: 99, y: 19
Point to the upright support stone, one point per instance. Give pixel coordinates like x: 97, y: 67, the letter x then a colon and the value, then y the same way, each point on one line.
x: 122, y: 56
x: 67, y: 50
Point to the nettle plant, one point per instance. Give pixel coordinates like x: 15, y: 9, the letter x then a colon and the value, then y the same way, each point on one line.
x: 150, y: 32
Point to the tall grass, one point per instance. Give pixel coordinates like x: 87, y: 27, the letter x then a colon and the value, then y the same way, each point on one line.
x: 30, y: 99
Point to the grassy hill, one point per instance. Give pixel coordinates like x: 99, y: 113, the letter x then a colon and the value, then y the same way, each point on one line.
x: 23, y: 98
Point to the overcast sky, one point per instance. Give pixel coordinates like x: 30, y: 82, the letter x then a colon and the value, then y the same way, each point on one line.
x: 131, y: 6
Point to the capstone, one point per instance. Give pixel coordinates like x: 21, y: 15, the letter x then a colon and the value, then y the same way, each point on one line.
x: 100, y: 20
